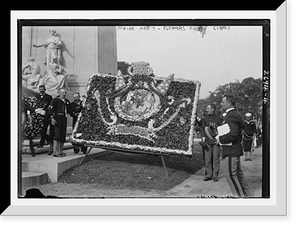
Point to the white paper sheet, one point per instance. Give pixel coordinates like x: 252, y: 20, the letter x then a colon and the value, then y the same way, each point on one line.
x: 222, y: 130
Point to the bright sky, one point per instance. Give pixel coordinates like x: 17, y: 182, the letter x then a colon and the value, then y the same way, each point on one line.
x: 220, y: 57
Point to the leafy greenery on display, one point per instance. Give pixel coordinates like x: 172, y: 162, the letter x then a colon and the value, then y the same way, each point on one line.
x: 138, y: 112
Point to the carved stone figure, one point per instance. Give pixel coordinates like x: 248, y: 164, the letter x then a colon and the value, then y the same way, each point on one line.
x: 55, y: 77
x: 31, y: 74
x: 53, y: 47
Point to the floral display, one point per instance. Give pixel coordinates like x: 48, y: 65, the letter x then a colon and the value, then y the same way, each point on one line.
x: 138, y: 112
x: 32, y: 117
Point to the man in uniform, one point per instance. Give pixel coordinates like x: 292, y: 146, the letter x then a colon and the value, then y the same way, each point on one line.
x: 44, y: 99
x: 233, y: 149
x: 248, y: 136
x: 58, y: 110
x: 76, y: 107
x: 211, y: 150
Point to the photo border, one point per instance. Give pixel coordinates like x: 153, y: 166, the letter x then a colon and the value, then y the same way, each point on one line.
x: 117, y: 206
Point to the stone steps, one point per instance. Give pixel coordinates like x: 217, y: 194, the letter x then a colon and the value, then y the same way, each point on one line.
x: 30, y: 179
x: 54, y: 166
x: 45, y: 149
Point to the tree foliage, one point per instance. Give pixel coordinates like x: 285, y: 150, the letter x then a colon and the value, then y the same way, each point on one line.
x: 248, y: 94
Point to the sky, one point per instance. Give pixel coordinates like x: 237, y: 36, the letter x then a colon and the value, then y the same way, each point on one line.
x: 223, y: 55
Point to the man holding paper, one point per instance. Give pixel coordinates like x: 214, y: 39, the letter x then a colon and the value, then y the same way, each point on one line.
x: 230, y: 136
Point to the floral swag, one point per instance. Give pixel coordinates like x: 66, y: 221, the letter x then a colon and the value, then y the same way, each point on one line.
x: 138, y: 112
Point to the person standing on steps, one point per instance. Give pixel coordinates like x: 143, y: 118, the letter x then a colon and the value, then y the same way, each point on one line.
x: 51, y: 135
x: 76, y: 107
x: 233, y: 150
x: 58, y: 110
x: 44, y: 99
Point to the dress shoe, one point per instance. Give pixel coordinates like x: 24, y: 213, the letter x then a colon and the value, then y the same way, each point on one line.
x: 61, y: 155
x: 50, y: 152
x: 215, y: 179
x: 207, y: 178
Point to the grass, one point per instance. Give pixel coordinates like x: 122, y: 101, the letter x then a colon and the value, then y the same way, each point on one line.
x: 144, y: 172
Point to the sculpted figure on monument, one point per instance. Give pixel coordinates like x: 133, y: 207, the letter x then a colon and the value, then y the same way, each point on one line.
x: 31, y: 74
x: 55, y: 77
x: 53, y: 47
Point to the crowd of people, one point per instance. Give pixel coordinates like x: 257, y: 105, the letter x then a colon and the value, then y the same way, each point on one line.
x: 228, y: 136
x: 43, y: 113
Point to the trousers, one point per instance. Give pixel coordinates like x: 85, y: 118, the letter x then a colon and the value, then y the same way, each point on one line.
x: 212, y: 161
x: 235, y: 177
x: 44, y: 136
x: 60, y: 129
x: 247, y: 145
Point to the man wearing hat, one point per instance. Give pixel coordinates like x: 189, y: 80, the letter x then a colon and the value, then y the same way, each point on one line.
x: 211, y: 149
x: 248, y: 136
x: 233, y: 150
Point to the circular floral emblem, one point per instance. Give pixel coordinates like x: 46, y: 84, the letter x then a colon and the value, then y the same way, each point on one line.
x: 137, y: 105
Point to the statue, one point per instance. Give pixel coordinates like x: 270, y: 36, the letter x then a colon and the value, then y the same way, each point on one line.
x: 55, y: 77
x: 31, y: 74
x: 53, y: 48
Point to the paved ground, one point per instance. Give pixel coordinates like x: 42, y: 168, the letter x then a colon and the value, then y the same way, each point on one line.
x: 194, y: 186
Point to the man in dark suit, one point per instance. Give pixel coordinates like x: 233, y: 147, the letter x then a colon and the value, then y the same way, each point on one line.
x: 233, y: 151
x: 59, y: 108
x: 76, y: 107
x: 45, y: 101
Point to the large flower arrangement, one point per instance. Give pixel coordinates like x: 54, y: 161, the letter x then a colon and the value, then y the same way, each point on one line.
x: 138, y: 112
x: 32, y: 121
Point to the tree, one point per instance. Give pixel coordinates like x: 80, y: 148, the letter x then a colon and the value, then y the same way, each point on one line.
x: 248, y: 94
